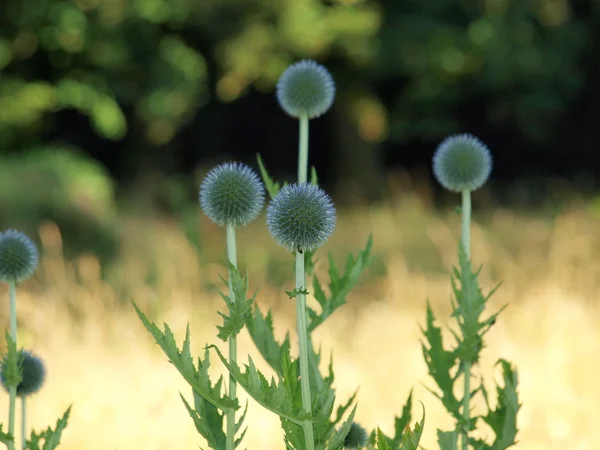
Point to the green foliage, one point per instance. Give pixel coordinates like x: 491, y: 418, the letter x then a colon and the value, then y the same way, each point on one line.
x: 208, y: 421
x: 239, y: 308
x: 400, y: 425
x: 503, y: 419
x: 468, y: 306
x: 11, y: 363
x: 61, y: 185
x: 339, y: 285
x: 50, y: 437
x: 198, y: 378
x: 406, y: 439
x: 5, y: 438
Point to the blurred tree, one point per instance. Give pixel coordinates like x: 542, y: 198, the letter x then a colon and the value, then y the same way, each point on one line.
x: 146, y: 73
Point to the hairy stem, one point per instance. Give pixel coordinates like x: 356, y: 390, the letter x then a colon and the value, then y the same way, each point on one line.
x: 303, y: 344
x: 466, y: 242
x: 230, y: 415
x: 303, y: 151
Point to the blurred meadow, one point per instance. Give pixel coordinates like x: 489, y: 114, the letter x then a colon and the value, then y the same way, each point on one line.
x: 101, y: 359
x: 112, y: 111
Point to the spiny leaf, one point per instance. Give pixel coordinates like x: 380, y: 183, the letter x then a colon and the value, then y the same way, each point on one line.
x: 381, y: 442
x: 50, y: 437
x: 271, y: 186
x: 503, y: 419
x: 440, y: 363
x: 12, y: 363
x: 339, y: 286
x: 411, y: 438
x: 273, y: 396
x: 198, y: 378
x: 448, y: 440
x: 239, y: 306
x: 207, y: 420
x: 261, y: 331
x: 5, y: 438
x: 400, y: 423
x: 337, y: 440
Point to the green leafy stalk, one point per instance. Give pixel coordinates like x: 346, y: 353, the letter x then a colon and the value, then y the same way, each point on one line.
x: 307, y: 425
x: 232, y: 256
x: 466, y: 242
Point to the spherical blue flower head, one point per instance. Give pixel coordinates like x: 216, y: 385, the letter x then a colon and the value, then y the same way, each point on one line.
x: 462, y: 163
x: 301, y: 217
x: 19, y: 256
x: 306, y: 89
x: 232, y: 193
x: 356, y: 437
x: 33, y: 372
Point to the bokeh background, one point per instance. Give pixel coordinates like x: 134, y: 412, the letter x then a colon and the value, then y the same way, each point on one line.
x: 112, y: 111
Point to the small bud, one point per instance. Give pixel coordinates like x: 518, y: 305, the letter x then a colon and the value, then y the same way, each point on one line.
x: 462, y: 163
x: 232, y: 193
x: 306, y: 89
x: 33, y: 373
x: 301, y: 217
x: 356, y: 437
x: 18, y: 256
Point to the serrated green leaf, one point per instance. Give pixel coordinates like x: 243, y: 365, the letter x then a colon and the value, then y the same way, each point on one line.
x: 273, y: 395
x: 503, y: 419
x: 411, y: 438
x: 261, y: 331
x: 271, y: 186
x: 12, y: 363
x: 207, y: 420
x: 239, y: 307
x: 448, y: 440
x: 381, y: 442
x: 339, y: 286
x: 5, y: 438
x: 337, y: 440
x: 440, y: 363
x: 197, y: 378
x: 400, y: 423
x: 51, y: 437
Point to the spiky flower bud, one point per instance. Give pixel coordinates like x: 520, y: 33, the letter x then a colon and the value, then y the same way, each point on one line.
x: 356, y: 437
x: 18, y: 256
x: 462, y: 163
x: 232, y: 194
x: 33, y: 372
x: 306, y: 89
x: 301, y: 217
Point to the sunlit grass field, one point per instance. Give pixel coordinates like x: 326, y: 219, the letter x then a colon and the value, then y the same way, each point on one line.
x: 125, y: 394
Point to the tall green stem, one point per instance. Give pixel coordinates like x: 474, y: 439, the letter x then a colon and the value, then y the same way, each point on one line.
x: 12, y: 293
x: 230, y: 415
x: 466, y: 243
x: 23, y: 423
x: 303, y: 150
x: 303, y: 344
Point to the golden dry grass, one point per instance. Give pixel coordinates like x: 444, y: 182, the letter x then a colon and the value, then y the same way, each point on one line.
x: 125, y: 393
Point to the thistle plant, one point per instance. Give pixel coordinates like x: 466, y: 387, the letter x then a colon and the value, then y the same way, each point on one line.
x: 463, y: 164
x: 301, y: 217
x: 21, y: 373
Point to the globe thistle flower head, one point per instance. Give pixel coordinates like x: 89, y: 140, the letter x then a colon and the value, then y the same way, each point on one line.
x: 356, y: 437
x: 33, y: 372
x: 19, y: 256
x: 301, y: 217
x: 232, y: 194
x: 462, y: 163
x: 306, y: 89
